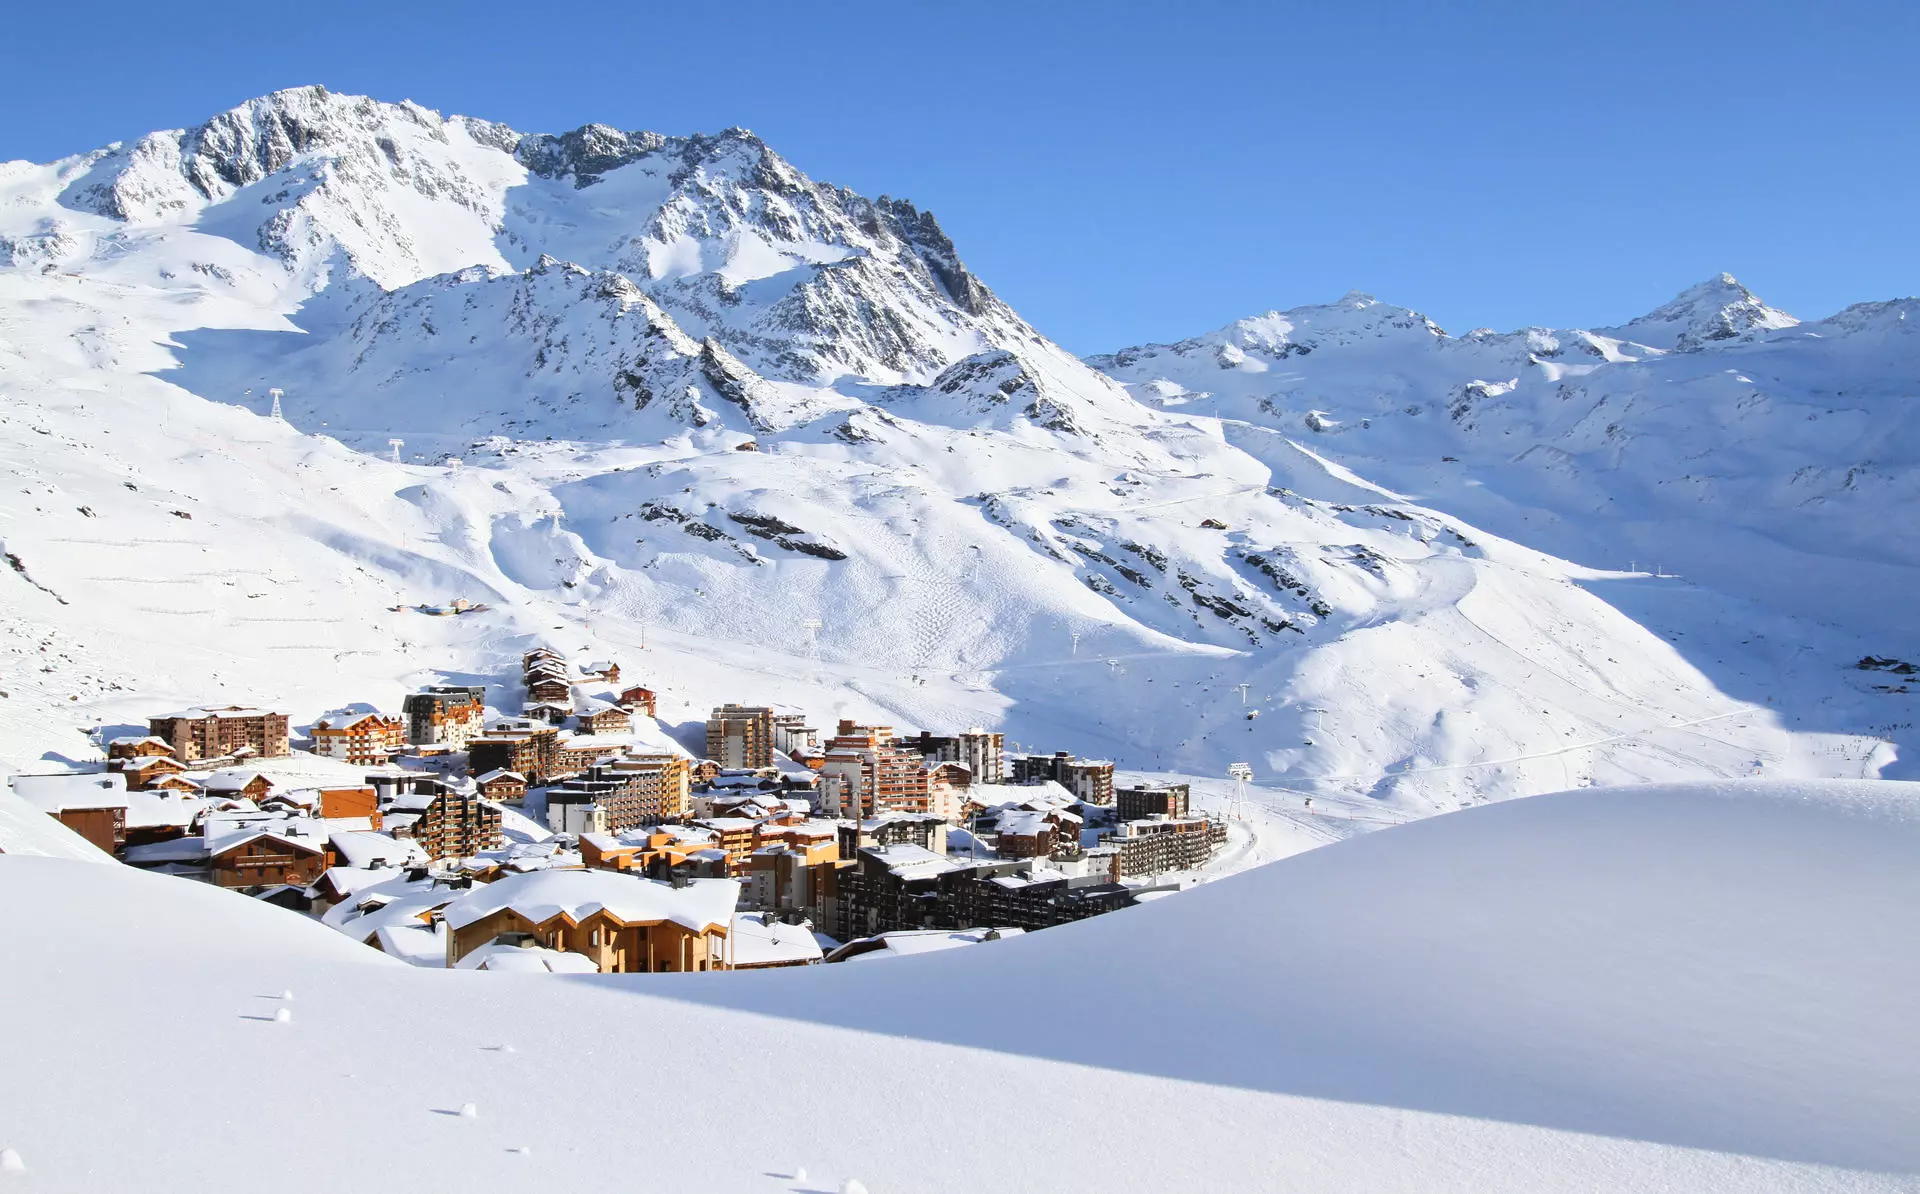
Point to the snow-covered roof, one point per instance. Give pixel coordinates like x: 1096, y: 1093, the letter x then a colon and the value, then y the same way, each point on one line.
x: 702, y: 905
x: 161, y: 806
x: 344, y: 720
x: 303, y: 844
x: 197, y: 713
x: 145, y: 761
x: 413, y: 942
x: 912, y: 862
x: 53, y: 791
x: 233, y: 779
x: 190, y: 848
x: 500, y: 773
x: 759, y: 940
x: 1020, y: 822
x: 368, y: 849
x: 138, y: 740
x: 728, y: 824
x: 1046, y: 794
x: 921, y: 941
x: 534, y: 959
x: 349, y: 881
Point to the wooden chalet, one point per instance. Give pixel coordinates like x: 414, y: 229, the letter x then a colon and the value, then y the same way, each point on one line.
x: 263, y: 858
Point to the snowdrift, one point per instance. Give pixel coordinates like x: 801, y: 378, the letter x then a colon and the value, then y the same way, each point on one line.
x: 1667, y: 987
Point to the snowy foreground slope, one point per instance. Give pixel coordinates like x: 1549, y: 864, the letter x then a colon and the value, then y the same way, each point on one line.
x: 591, y: 327
x: 1684, y: 987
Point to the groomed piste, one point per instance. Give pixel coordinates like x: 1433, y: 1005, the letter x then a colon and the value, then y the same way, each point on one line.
x: 1668, y: 987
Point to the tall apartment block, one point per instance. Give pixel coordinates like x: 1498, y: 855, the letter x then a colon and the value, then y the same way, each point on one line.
x: 740, y: 736
x: 983, y: 754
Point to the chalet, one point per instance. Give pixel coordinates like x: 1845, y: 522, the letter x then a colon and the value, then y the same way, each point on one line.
x: 598, y: 717
x: 622, y: 923
x: 212, y: 733
x: 500, y: 785
x: 136, y: 748
x: 93, y: 804
x: 541, y: 655
x: 146, y: 771
x: 364, y: 739
x: 237, y: 783
x: 638, y: 699
x: 551, y: 712
x: 262, y: 857
x: 549, y: 688
x: 602, y: 669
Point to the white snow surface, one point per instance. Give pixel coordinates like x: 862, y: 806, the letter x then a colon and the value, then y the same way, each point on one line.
x: 1654, y: 988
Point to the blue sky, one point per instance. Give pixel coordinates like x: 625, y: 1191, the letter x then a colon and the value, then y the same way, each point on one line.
x: 1124, y: 172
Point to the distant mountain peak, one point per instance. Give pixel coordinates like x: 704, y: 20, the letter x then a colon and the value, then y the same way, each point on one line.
x: 1719, y: 308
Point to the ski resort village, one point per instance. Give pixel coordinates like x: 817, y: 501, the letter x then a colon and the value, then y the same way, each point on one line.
x: 565, y: 838
x: 597, y: 659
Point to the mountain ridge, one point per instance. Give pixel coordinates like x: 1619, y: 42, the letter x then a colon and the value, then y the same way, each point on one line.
x: 603, y: 369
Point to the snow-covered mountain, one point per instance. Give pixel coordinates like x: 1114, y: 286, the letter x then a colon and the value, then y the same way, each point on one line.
x: 671, y: 391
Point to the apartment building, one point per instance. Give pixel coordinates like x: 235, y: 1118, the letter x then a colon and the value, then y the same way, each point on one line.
x: 527, y: 747
x: 1090, y: 780
x: 865, y: 774
x: 456, y: 825
x: 983, y: 754
x: 195, y: 734
x: 1157, y: 846
x: 444, y: 716
x: 741, y: 736
x: 363, y: 739
x: 1156, y: 800
x: 633, y: 791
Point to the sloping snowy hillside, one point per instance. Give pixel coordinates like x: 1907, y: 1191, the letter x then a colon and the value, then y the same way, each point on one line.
x: 670, y: 391
x: 1665, y: 988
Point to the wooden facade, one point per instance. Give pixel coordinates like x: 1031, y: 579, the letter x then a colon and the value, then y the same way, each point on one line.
x: 269, y: 859
x: 366, y: 740
x: 147, y: 771
x: 614, y: 945
x: 104, y: 827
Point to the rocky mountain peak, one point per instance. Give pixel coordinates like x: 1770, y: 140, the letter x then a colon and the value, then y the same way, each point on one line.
x: 1719, y: 308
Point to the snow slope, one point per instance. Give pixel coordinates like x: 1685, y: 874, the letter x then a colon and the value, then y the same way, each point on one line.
x: 575, y: 336
x: 1679, y: 987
